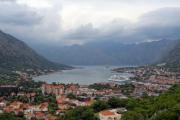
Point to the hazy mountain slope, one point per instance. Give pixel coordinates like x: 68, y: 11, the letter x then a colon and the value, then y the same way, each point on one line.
x: 172, y: 59
x: 16, y: 55
x: 107, y: 53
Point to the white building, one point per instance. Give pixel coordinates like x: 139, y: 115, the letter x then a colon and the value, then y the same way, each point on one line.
x: 109, y: 115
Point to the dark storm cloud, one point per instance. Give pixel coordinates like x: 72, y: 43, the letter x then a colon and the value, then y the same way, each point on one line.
x: 83, y: 32
x: 29, y: 24
x: 163, y: 16
x: 162, y: 23
x: 12, y: 13
x: 86, y: 33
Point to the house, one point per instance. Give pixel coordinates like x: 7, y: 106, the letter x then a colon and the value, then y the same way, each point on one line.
x: 29, y: 115
x: 2, y: 104
x: 39, y: 115
x: 72, y: 89
x: 43, y: 107
x: 53, y: 89
x: 87, y: 103
x: 104, y: 92
x: 87, y: 91
x: 50, y: 117
x: 63, y: 103
x: 109, y: 115
x: 31, y: 96
x: 62, y: 99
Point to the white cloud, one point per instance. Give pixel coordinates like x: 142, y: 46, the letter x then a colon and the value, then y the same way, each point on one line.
x: 38, y: 4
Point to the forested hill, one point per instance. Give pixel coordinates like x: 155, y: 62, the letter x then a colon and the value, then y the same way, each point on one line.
x: 16, y: 55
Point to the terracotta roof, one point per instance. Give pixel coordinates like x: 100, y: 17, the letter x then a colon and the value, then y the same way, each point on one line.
x: 61, y: 100
x: 43, y: 105
x: 50, y: 117
x: 60, y: 111
x: 53, y: 86
x: 107, y: 113
x: 88, y: 103
x: 73, y: 87
x: 39, y: 114
x: 7, y: 109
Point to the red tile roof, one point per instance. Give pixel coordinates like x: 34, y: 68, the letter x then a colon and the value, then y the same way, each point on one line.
x: 107, y: 113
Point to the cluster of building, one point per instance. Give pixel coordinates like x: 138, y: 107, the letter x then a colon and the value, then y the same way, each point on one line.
x: 30, y: 111
x: 150, y: 89
x: 85, y: 96
x: 60, y: 89
x: 153, y: 81
x: 163, y: 79
x: 64, y: 103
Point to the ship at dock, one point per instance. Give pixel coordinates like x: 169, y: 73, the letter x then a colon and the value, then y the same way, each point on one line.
x: 119, y: 79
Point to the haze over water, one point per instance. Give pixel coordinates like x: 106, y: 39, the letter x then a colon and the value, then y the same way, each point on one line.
x: 84, y: 75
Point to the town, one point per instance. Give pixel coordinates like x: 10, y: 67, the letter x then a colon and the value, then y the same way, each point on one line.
x: 51, y: 101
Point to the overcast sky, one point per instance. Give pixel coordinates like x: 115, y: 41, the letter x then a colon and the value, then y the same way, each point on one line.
x: 67, y: 22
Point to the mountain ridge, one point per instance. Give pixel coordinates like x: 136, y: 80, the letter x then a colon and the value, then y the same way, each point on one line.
x: 107, y: 53
x: 16, y: 55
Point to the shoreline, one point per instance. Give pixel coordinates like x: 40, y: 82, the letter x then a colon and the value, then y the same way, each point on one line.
x: 89, y: 75
x: 51, y: 72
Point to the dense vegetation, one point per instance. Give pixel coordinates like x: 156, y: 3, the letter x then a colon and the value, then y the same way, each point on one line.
x: 164, y: 107
x: 7, y: 77
x: 80, y: 113
x: 11, y: 116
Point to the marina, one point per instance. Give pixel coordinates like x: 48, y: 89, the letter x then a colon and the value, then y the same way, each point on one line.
x: 120, y: 79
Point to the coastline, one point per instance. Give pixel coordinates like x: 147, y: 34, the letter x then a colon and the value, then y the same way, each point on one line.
x: 51, y: 72
x: 83, y: 75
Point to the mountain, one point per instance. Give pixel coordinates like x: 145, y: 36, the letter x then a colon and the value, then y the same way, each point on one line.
x: 107, y: 53
x: 172, y: 59
x: 16, y: 55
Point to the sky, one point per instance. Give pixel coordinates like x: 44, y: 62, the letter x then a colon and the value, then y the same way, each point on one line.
x: 68, y: 22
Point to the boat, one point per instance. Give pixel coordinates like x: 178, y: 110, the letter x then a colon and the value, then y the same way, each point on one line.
x: 118, y: 78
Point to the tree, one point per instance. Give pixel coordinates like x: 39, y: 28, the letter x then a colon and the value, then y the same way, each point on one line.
x: 80, y: 113
x: 99, y: 105
x: 115, y: 102
x: 71, y: 96
x: 10, y: 116
x: 164, y: 107
x: 52, y: 107
x: 132, y: 115
x: 166, y: 115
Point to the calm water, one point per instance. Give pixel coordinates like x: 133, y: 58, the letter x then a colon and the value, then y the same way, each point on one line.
x: 84, y: 75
